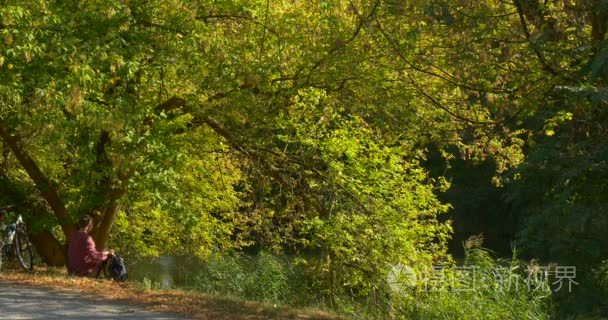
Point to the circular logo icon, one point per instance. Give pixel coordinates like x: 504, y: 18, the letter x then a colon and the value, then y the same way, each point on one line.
x: 400, y: 277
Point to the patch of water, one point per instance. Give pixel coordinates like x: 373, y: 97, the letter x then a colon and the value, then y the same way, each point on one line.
x: 166, y: 271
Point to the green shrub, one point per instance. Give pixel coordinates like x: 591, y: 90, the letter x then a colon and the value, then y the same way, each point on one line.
x: 267, y: 281
x: 223, y: 275
x: 149, y: 284
x: 483, y: 288
x: 588, y: 298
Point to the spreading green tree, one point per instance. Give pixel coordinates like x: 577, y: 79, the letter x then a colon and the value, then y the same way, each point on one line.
x: 199, y: 126
x: 206, y: 126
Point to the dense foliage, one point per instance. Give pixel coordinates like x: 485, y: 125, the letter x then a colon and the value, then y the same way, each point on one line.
x: 304, y: 128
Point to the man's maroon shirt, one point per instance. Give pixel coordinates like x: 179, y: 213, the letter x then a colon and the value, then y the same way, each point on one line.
x: 83, y: 257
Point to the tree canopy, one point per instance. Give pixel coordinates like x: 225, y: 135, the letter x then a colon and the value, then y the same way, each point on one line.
x: 302, y: 126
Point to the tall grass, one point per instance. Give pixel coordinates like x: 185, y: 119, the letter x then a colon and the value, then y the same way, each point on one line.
x: 473, y: 291
x: 264, y: 277
x: 483, y: 288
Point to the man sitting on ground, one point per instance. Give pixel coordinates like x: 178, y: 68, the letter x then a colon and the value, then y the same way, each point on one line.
x: 83, y: 257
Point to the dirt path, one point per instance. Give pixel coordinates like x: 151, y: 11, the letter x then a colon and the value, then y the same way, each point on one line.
x: 26, y: 302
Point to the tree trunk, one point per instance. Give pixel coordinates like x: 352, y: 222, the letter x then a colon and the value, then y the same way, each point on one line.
x: 102, y: 236
x: 599, y: 22
x: 110, y: 190
x: 49, y: 248
x: 112, y: 193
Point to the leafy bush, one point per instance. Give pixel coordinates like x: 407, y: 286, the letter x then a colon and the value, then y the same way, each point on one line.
x: 224, y: 275
x: 149, y: 284
x: 268, y: 281
x: 588, y: 297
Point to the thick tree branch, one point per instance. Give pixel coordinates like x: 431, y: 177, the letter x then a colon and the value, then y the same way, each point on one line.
x: 171, y: 104
x: 599, y: 21
x: 110, y: 209
x: 45, y: 186
x: 103, y: 187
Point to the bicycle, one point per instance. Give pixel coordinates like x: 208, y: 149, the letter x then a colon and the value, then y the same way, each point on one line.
x: 14, y: 241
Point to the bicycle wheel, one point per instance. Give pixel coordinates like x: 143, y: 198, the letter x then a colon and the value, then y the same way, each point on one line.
x: 1, y: 253
x: 24, y: 250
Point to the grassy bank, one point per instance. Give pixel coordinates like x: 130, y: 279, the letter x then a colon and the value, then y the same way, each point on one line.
x: 225, y: 287
x: 483, y: 288
x: 192, y: 304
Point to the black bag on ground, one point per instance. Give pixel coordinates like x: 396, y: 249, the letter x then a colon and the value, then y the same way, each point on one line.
x: 116, y: 268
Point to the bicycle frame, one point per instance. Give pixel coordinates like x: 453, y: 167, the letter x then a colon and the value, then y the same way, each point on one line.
x: 14, y: 241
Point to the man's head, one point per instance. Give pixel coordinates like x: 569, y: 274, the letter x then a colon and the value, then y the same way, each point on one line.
x: 85, y: 223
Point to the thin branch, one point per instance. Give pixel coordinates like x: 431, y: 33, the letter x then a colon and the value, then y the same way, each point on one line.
x: 276, y: 173
x: 237, y: 17
x: 362, y: 21
x: 264, y: 31
x: 447, y: 78
x: 524, y: 25
x: 433, y: 101
x: 437, y: 104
